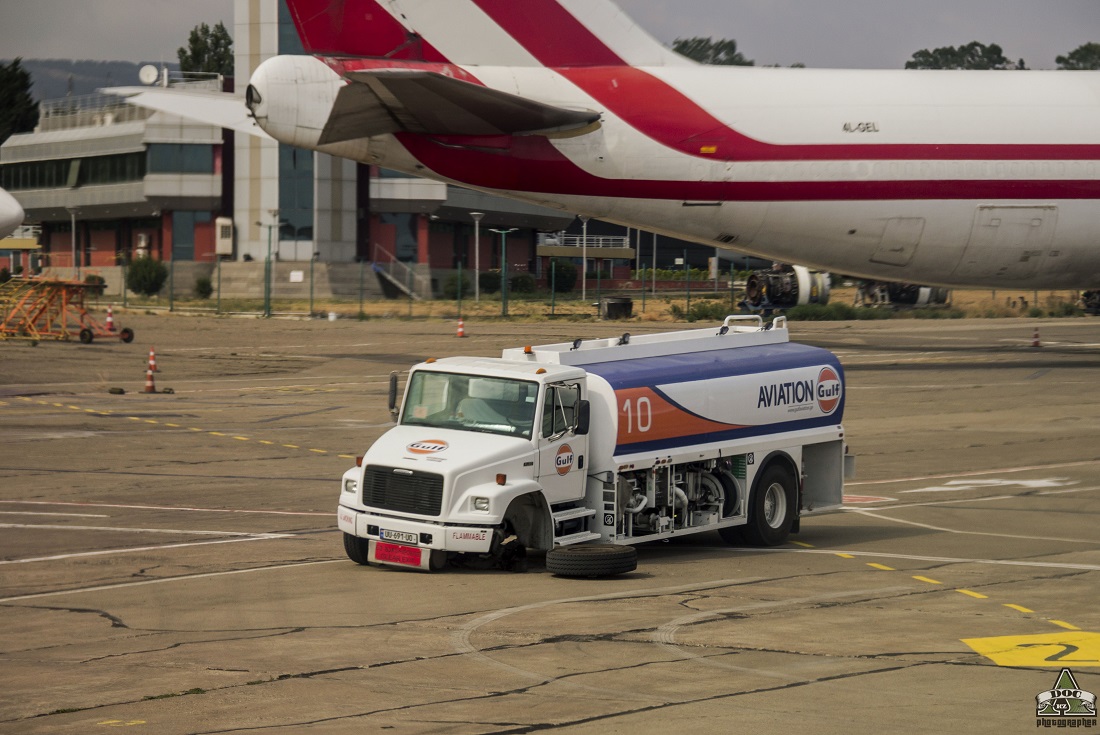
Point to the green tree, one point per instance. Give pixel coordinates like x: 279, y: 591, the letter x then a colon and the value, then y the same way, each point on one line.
x: 708, y: 51
x: 1085, y: 56
x: 146, y: 276
x: 208, y: 50
x: 973, y: 55
x: 18, y: 111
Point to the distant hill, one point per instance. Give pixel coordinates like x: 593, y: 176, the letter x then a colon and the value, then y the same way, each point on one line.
x: 51, y: 77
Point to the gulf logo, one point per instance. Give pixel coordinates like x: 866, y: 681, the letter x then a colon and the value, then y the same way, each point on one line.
x: 564, y: 461
x: 427, y: 446
x: 828, y: 390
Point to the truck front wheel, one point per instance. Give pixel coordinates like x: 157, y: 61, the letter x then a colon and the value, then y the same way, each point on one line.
x: 773, y: 508
x: 357, y: 549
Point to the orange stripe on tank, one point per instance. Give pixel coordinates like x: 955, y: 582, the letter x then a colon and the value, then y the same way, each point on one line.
x: 644, y: 415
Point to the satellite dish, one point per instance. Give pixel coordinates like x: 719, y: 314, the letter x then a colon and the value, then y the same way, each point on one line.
x: 148, y: 74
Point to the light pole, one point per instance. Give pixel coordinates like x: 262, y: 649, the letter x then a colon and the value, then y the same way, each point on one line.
x: 584, y: 257
x: 267, y: 262
x: 76, y: 265
x: 477, y: 253
x: 504, y: 269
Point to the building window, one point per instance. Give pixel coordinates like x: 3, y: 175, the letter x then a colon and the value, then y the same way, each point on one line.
x: 180, y: 158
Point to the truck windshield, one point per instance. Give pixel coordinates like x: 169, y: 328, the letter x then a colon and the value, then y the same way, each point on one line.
x: 471, y: 403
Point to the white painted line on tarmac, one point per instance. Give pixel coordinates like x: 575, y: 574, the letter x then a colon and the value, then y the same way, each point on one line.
x: 976, y: 473
x: 70, y: 515
x: 930, y: 527
x: 128, y: 550
x: 176, y: 531
x: 186, y: 578
x: 169, y: 507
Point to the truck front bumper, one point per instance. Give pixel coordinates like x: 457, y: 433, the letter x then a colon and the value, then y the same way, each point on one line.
x: 410, y: 543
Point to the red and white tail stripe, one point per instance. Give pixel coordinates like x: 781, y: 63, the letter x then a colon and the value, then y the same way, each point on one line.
x: 553, y: 33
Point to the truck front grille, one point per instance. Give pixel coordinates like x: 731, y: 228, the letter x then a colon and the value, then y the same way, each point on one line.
x: 403, y: 491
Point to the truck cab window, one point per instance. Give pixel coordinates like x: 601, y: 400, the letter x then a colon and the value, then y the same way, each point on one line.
x: 558, y: 408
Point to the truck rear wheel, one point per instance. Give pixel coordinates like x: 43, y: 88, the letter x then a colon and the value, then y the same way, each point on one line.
x: 772, y: 508
x: 591, y: 560
x: 357, y: 549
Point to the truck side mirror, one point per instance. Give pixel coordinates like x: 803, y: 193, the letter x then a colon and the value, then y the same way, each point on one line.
x: 583, y: 413
x: 393, y: 394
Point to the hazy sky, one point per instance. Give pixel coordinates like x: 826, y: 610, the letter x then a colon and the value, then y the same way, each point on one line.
x: 818, y: 33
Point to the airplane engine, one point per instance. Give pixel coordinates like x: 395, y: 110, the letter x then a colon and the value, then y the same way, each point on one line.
x: 784, y: 286
x: 292, y: 98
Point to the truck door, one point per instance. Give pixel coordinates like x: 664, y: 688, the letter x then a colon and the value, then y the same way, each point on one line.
x: 562, y: 453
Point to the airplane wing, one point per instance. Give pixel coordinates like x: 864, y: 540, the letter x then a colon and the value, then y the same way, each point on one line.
x: 223, y: 109
x: 391, y: 100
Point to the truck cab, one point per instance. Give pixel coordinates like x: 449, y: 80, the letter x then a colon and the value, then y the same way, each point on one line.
x: 472, y: 436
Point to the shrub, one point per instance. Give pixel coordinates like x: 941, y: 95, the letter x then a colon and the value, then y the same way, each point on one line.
x: 146, y: 276
x: 203, y: 288
x: 5, y: 276
x: 96, y: 284
x: 701, y: 311
x: 522, y: 283
x: 489, y: 281
x: 565, y: 275
x: 451, y: 286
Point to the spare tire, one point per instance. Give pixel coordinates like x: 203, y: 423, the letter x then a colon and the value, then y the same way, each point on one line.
x: 591, y: 560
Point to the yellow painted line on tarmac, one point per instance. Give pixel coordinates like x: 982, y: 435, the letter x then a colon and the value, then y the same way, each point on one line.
x: 195, y: 428
x: 151, y: 421
x: 292, y: 446
x: 242, y: 438
x: 90, y: 410
x: 215, y: 433
x: 347, y: 456
x: 319, y: 451
x: 926, y: 579
x: 60, y: 405
x: 265, y: 441
x: 1064, y: 624
x: 75, y: 408
x: 174, y: 426
x: 803, y: 544
x: 134, y: 418
x: 883, y: 567
x: 845, y: 556
x: 971, y: 593
x: 1018, y: 608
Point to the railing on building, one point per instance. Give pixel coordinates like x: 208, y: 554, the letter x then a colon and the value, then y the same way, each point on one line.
x: 408, y: 279
x: 94, y: 110
x: 602, y: 241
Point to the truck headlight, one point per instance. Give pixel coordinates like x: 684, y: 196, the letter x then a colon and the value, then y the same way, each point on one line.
x: 349, y: 485
x: 481, y: 504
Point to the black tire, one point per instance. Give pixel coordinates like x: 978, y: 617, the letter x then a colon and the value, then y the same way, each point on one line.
x: 126, y: 335
x: 86, y: 336
x: 591, y: 560
x: 772, y: 508
x: 357, y: 549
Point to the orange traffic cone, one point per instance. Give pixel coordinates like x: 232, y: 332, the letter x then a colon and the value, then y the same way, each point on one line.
x: 110, y: 319
x: 150, y: 386
x: 153, y: 360
x: 1035, y: 338
x: 461, y: 329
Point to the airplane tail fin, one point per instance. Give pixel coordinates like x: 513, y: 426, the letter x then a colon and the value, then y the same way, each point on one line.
x: 552, y: 33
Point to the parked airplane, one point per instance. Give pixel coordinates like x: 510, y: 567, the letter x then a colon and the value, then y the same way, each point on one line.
x: 949, y: 178
x: 11, y: 214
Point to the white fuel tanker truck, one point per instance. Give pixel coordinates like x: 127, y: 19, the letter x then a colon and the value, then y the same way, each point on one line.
x: 582, y: 449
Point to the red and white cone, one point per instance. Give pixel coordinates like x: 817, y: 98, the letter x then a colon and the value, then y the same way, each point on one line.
x: 1035, y: 338
x: 110, y: 319
x: 153, y: 360
x: 150, y: 386
x: 461, y: 329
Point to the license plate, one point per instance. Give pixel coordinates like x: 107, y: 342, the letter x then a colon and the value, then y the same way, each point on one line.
x: 401, y: 536
x: 394, y: 554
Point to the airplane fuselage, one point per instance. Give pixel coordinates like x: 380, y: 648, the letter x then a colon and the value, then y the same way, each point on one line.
x: 950, y: 178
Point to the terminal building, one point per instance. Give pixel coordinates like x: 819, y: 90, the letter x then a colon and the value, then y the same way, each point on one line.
x: 108, y: 182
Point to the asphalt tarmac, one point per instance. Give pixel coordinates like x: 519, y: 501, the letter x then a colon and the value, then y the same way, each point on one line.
x: 169, y: 562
